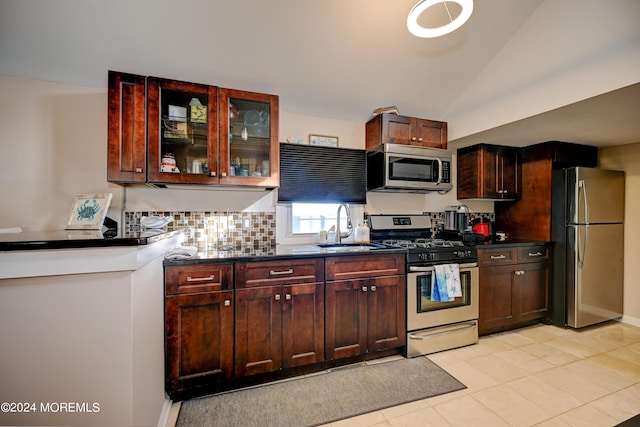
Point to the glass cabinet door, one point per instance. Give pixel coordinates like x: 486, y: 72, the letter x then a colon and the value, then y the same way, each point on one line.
x: 182, y: 132
x: 248, y: 138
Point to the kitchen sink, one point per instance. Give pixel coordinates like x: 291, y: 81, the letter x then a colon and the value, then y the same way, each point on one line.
x: 351, y: 247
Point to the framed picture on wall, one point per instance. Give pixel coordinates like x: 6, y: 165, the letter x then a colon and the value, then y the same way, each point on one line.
x: 323, y: 140
x: 88, y: 211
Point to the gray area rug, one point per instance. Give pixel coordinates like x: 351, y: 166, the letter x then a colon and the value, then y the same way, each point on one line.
x: 322, y: 398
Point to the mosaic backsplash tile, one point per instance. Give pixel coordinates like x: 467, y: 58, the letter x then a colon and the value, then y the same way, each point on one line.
x: 217, y: 230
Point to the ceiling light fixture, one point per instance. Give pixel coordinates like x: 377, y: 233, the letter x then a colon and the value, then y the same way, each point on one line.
x: 420, y: 31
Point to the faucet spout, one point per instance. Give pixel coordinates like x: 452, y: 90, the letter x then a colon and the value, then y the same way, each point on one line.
x: 340, y: 235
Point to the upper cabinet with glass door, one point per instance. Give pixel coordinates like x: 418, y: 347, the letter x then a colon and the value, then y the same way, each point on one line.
x: 182, y: 132
x: 248, y: 138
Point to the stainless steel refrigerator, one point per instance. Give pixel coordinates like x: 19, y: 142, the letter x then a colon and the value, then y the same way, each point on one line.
x: 587, y: 227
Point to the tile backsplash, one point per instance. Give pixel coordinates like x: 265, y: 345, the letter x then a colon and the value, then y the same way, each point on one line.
x: 227, y: 230
x: 206, y: 230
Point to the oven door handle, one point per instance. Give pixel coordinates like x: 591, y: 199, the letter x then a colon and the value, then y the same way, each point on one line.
x: 459, y: 328
x: 432, y: 268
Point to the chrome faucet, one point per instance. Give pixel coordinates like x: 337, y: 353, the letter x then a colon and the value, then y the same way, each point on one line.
x: 340, y: 235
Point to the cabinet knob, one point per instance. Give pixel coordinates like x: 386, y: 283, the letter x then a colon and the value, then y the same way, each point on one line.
x: 138, y: 170
x: 419, y: 139
x: 287, y: 296
x: 227, y: 302
x: 373, y: 288
x: 413, y: 138
x: 213, y: 173
x: 223, y: 174
x: 364, y: 289
x: 277, y: 297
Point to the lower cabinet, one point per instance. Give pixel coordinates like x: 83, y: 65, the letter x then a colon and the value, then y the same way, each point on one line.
x: 279, y: 315
x: 365, y: 305
x: 514, y: 286
x: 199, y: 319
x: 228, y: 321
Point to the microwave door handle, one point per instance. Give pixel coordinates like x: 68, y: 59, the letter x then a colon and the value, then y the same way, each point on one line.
x: 439, y: 172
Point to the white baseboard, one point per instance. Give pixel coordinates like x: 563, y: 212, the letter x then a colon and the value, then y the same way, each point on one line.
x: 169, y: 414
x: 635, y: 321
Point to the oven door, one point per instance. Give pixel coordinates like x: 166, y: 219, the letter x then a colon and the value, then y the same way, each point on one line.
x: 424, y: 313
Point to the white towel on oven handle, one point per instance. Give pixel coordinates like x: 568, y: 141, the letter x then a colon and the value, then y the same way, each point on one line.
x: 452, y: 280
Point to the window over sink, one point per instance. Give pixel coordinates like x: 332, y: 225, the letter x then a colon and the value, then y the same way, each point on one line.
x: 301, y: 222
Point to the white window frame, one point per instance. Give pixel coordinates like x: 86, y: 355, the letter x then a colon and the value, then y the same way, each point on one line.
x: 284, y: 229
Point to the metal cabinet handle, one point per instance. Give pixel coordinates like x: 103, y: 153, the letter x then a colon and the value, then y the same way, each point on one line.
x: 287, y: 296
x: 201, y: 279
x: 227, y: 302
x: 138, y: 170
x: 535, y: 253
x: 498, y: 257
x: 280, y: 273
x: 277, y: 297
x: 373, y: 288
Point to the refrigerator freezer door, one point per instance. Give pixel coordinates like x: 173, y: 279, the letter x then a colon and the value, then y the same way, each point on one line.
x: 594, y: 273
x: 596, y: 196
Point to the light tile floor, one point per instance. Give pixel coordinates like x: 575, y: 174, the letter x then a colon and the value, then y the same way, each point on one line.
x: 535, y: 376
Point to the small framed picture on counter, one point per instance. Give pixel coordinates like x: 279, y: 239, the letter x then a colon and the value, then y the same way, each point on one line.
x: 323, y: 140
x: 88, y: 211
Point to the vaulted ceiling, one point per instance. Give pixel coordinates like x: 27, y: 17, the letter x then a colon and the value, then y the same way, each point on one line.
x: 343, y: 58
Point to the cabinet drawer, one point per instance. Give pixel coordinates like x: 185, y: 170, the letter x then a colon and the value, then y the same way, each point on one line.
x: 538, y: 253
x: 190, y: 279
x: 282, y: 272
x: 498, y: 256
x: 360, y: 267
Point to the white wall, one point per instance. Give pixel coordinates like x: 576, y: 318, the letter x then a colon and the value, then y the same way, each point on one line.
x: 627, y: 158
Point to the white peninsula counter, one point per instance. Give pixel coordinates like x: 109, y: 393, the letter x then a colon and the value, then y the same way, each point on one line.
x: 82, y: 330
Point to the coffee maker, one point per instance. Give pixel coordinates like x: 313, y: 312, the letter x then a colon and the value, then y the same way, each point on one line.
x: 456, y: 220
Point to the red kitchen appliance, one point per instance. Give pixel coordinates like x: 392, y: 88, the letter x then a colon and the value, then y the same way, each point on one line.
x: 486, y: 228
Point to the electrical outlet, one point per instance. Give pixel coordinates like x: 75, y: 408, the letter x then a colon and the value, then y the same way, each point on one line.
x: 247, y: 223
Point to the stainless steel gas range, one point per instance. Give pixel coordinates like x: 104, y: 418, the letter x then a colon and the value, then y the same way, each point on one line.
x: 435, y: 322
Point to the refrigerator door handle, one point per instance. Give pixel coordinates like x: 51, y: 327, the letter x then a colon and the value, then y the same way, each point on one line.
x: 582, y: 188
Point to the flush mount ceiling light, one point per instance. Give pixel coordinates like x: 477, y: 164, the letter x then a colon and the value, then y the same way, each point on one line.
x: 420, y: 31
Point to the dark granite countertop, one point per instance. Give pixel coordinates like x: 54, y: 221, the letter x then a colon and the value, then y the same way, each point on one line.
x: 279, y: 251
x: 74, y: 239
x: 493, y: 244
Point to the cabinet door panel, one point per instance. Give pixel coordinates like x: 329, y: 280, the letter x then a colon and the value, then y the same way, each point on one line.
x: 533, y: 290
x: 258, y: 330
x: 199, y: 338
x: 127, y: 146
x: 431, y: 133
x: 346, y: 317
x: 396, y: 129
x: 303, y: 324
x: 496, y: 298
x: 186, y: 279
x: 386, y: 313
x: 510, y: 176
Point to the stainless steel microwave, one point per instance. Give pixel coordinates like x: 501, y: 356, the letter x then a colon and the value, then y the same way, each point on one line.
x: 407, y: 168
